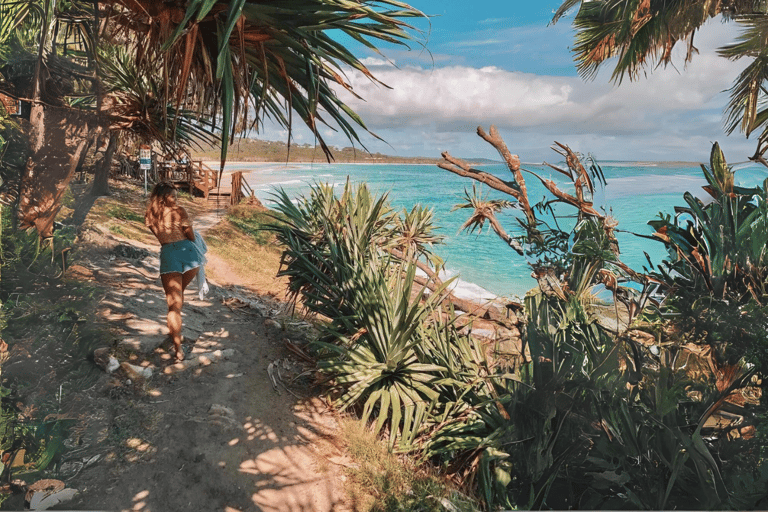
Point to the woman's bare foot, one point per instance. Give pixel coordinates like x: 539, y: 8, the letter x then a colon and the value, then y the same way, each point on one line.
x: 179, y: 351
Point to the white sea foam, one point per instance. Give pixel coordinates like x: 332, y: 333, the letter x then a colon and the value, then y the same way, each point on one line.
x: 471, y: 291
x: 287, y: 182
x: 464, y: 289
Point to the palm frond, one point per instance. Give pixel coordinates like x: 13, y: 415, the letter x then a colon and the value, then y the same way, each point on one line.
x: 640, y: 35
x: 133, y: 105
x: 276, y: 57
x: 747, y: 92
x: 484, y: 209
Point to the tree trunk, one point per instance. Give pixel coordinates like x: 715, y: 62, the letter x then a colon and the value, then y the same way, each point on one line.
x: 81, y: 162
x: 101, y: 176
x: 58, y: 136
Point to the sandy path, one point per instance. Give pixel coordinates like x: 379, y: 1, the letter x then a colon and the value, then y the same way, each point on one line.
x: 212, y: 433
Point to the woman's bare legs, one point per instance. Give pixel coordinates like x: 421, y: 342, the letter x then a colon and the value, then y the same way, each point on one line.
x: 174, y: 285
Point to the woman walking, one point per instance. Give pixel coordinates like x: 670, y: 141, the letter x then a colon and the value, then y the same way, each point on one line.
x: 181, y: 256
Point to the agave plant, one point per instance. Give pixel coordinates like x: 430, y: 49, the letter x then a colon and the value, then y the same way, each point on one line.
x: 415, y: 235
x: 327, y: 239
x: 327, y: 236
x: 380, y: 364
x: 353, y: 260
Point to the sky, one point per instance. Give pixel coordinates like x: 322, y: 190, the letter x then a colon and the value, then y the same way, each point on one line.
x: 502, y: 62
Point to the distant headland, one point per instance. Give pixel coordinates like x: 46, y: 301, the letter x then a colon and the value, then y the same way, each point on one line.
x: 253, y: 150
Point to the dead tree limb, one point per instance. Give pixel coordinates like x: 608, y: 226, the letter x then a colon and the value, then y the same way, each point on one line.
x: 462, y: 168
x: 510, y: 240
x: 513, y: 163
x: 583, y: 206
x: 575, y: 166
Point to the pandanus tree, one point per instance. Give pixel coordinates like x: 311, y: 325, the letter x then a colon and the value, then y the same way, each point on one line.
x: 231, y: 63
x: 636, y: 35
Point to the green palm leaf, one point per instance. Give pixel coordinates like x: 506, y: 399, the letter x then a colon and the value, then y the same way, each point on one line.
x: 276, y: 54
x: 641, y: 35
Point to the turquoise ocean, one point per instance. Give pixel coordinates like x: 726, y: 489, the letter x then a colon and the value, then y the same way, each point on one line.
x: 635, y: 193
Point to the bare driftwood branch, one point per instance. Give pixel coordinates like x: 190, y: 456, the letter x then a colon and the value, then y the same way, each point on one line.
x: 583, y: 206
x: 575, y: 165
x: 513, y: 162
x: 511, y: 241
x: 495, y: 140
x: 462, y: 168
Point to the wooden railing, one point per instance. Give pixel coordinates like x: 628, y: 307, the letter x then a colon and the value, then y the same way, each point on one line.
x: 202, y: 177
x: 240, y: 188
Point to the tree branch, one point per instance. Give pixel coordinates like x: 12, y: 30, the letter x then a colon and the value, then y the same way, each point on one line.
x: 462, y: 168
x: 513, y: 163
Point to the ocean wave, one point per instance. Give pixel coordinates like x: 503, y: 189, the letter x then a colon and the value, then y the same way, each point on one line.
x: 464, y: 289
x: 287, y: 182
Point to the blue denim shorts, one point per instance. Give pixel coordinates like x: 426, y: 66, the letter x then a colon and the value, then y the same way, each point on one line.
x: 182, y: 256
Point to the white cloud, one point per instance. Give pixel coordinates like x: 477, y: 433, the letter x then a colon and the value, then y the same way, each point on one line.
x: 490, y: 21
x: 669, y: 110
x: 375, y: 62
x: 673, y: 114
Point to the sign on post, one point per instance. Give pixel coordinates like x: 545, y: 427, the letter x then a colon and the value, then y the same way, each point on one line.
x: 12, y: 106
x: 145, y: 163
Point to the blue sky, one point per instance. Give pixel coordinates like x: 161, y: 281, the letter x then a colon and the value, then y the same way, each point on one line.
x: 501, y: 62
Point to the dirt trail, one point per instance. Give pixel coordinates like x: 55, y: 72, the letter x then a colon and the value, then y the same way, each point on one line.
x: 215, y: 432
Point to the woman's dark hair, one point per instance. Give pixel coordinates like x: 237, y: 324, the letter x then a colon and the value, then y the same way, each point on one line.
x: 162, y: 190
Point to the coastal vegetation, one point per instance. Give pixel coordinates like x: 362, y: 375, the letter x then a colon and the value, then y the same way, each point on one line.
x: 173, y: 74
x: 621, y: 400
x: 248, y: 149
x: 630, y: 388
x: 253, y: 150
x: 61, y: 325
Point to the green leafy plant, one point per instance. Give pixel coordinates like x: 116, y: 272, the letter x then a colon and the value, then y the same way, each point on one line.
x: 338, y: 261
x: 380, y: 364
x: 719, y: 248
x: 328, y: 239
x: 595, y: 419
x: 717, y: 269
